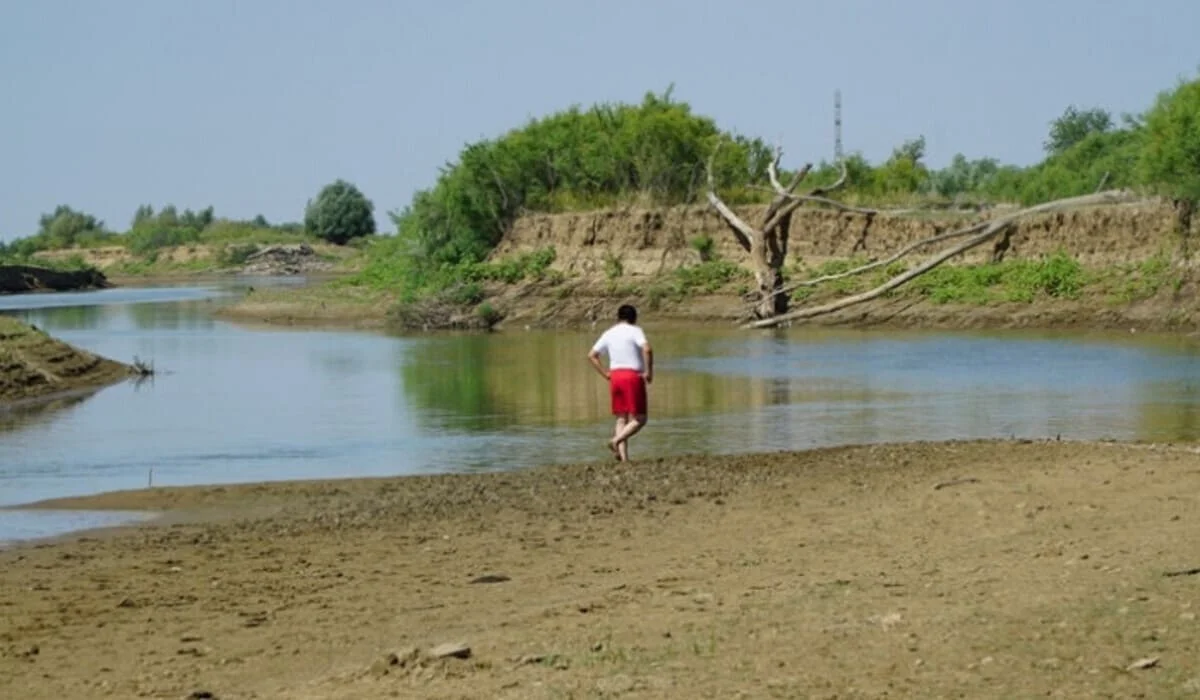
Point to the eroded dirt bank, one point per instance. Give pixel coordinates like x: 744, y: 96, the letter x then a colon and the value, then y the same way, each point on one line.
x: 975, y: 570
x: 34, y: 365
x: 606, y: 258
x: 653, y: 241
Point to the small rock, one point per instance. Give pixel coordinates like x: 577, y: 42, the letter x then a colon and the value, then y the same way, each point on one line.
x: 530, y: 659
x: 615, y: 685
x: 890, y: 620
x: 407, y: 656
x: 127, y: 603
x: 1142, y: 664
x: 191, y: 638
x: 201, y: 695
x: 455, y: 650
x: 390, y: 661
x: 382, y: 666
x: 491, y: 578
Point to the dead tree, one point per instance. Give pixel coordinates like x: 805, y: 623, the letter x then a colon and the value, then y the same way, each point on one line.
x: 767, y: 243
x: 979, y: 233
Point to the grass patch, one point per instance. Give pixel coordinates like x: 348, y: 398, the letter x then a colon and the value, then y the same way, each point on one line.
x: 1057, y: 276
x: 428, y: 298
x: 1139, y: 281
x: 388, y: 269
x: 704, y: 278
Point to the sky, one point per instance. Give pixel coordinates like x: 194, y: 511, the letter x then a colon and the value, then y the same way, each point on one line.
x: 252, y: 106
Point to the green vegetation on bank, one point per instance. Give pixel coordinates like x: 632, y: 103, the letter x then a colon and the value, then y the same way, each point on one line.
x: 1022, y: 281
x: 340, y: 215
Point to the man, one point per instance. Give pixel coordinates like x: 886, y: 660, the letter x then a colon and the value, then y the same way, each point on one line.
x: 630, y: 369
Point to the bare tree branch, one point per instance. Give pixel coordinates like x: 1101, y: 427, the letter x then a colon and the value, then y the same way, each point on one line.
x: 888, y: 260
x: 841, y: 182
x: 773, y: 175
x: 744, y: 233
x: 991, y: 229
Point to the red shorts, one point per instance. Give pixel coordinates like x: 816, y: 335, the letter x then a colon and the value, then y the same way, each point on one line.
x: 628, y: 391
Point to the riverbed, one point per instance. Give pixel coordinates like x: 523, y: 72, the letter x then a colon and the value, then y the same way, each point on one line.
x: 233, y: 403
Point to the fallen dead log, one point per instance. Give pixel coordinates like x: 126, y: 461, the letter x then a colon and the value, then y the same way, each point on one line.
x: 991, y: 229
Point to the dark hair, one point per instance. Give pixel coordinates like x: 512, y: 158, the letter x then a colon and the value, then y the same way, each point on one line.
x: 627, y: 313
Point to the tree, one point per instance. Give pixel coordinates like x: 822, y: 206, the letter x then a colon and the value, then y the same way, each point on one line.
x: 1170, y: 156
x: 1075, y: 125
x: 64, y: 227
x: 904, y: 172
x: 339, y: 213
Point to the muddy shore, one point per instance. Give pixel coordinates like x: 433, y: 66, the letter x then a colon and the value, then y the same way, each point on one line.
x: 35, y: 366
x: 985, y: 569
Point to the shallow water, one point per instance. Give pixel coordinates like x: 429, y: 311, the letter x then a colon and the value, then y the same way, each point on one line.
x: 236, y: 404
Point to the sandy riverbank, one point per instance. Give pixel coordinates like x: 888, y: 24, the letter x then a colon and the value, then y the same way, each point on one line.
x: 1001, y: 569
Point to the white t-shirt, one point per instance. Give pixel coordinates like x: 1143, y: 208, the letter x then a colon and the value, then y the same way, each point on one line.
x: 623, y: 343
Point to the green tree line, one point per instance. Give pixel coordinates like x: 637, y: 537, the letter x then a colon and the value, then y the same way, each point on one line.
x: 339, y: 214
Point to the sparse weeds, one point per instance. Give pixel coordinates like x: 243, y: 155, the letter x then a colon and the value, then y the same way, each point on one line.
x: 1057, y: 276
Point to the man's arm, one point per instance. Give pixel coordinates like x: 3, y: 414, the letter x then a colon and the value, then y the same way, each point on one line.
x: 647, y: 361
x: 594, y: 358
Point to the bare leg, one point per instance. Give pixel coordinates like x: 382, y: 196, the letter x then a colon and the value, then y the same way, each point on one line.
x: 630, y: 429
x: 618, y: 449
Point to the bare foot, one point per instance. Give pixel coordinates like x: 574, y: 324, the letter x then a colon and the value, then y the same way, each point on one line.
x: 616, y: 452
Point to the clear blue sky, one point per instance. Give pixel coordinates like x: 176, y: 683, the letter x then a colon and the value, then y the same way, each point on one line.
x: 253, y: 105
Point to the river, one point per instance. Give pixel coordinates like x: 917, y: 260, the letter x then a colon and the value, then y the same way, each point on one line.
x: 232, y: 403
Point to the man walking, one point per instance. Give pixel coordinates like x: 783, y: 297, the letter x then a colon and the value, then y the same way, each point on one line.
x: 630, y: 369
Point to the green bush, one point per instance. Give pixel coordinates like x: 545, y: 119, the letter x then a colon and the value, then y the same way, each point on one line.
x: 339, y: 214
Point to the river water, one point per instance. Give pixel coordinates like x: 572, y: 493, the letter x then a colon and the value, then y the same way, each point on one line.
x: 232, y: 403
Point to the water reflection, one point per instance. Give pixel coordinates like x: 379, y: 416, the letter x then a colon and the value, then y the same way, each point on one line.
x: 484, y: 383
x: 30, y: 414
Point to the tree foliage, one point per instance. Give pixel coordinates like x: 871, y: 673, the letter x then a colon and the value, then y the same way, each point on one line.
x: 64, y: 227
x: 1170, y: 154
x: 150, y: 230
x: 653, y: 153
x: 339, y: 214
x: 1074, y: 126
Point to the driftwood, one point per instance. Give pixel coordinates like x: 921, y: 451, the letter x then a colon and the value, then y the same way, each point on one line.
x: 1182, y: 572
x: 955, y: 482
x: 990, y: 229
